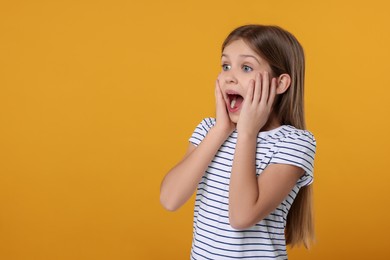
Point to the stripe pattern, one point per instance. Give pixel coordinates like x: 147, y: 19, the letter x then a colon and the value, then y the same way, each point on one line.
x: 213, y: 237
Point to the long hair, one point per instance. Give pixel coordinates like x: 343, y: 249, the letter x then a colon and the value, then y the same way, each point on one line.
x: 284, y: 54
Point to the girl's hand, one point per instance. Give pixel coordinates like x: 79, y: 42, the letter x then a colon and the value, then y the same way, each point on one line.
x: 257, y: 105
x: 223, y: 122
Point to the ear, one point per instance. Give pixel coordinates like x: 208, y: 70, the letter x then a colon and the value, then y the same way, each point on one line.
x: 283, y: 82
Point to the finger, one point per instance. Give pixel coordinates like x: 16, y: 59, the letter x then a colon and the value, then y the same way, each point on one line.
x: 272, y: 94
x: 222, y: 99
x: 250, y: 91
x: 217, y: 92
x: 265, y: 87
x: 219, y: 74
x: 257, y: 90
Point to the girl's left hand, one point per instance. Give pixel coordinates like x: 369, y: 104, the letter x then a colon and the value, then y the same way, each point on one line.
x: 257, y: 105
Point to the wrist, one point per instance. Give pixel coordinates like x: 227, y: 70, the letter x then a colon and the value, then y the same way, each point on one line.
x: 221, y: 132
x: 247, y: 136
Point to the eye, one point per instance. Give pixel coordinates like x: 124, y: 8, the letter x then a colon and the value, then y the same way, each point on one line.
x: 226, y: 67
x: 246, y: 68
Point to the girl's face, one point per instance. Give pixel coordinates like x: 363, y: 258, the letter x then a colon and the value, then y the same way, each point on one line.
x: 240, y: 64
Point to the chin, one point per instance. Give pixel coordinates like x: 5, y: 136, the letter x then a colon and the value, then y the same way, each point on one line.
x: 234, y: 118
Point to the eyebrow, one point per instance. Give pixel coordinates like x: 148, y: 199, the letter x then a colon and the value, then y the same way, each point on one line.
x: 243, y: 55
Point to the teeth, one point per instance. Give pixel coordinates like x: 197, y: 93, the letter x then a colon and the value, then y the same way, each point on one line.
x: 233, y: 103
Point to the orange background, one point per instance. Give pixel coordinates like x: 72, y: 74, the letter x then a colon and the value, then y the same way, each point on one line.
x: 99, y: 98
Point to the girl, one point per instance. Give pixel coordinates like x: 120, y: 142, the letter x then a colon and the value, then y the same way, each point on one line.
x: 252, y: 166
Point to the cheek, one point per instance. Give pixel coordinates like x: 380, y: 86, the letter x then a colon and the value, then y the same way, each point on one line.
x: 221, y: 77
x: 246, y: 82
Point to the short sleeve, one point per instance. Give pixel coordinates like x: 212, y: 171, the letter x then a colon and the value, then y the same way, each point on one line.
x: 297, y: 149
x: 201, y: 131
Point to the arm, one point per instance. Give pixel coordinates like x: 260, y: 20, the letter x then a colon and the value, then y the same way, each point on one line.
x: 181, y: 181
x: 253, y: 198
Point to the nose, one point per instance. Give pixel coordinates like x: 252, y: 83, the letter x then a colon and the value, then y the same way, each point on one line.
x: 230, y: 77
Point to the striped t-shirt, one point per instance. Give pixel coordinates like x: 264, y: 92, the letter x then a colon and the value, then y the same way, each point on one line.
x: 213, y: 237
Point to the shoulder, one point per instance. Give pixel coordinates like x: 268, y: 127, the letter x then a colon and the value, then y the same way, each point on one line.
x: 296, y: 147
x: 207, y: 123
x: 201, y: 130
x: 291, y: 135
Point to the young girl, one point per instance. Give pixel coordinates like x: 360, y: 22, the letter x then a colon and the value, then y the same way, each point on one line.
x: 252, y: 166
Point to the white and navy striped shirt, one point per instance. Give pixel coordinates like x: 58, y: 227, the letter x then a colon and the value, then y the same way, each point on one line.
x: 213, y: 237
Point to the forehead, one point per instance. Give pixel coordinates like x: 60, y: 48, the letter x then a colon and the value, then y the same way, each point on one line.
x: 238, y: 48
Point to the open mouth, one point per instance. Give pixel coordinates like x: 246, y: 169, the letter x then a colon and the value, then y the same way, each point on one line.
x: 235, y: 101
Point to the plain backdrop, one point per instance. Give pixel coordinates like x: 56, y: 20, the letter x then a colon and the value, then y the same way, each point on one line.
x: 98, y: 100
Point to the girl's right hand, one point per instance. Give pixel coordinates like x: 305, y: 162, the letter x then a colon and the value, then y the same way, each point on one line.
x: 223, y: 122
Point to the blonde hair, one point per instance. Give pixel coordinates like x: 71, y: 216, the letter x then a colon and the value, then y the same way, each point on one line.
x: 285, y: 55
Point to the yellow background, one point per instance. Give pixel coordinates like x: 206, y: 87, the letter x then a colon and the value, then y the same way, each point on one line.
x: 99, y: 98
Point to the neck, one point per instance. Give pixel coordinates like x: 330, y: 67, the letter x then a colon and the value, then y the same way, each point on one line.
x: 272, y: 123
